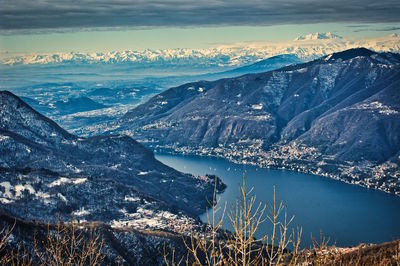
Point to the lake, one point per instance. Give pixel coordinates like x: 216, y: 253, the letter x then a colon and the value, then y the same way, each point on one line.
x: 346, y: 214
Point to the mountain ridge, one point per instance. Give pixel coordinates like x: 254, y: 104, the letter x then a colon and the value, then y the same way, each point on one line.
x: 30, y: 140
x: 318, y: 36
x: 283, y: 114
x: 235, y: 55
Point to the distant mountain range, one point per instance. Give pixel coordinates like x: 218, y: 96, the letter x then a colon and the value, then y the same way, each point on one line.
x: 264, y: 65
x: 259, y: 66
x: 97, y: 178
x: 306, y: 47
x: 318, y: 36
x: 63, y: 107
x: 337, y: 116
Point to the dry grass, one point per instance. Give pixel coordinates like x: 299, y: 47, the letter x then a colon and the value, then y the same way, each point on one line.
x: 64, y: 244
x: 13, y: 257
x: 375, y: 255
x: 69, y: 246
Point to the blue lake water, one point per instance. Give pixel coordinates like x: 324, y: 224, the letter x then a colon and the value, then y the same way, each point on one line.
x: 346, y: 214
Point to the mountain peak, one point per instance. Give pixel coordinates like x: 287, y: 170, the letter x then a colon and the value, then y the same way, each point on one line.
x: 18, y: 116
x: 31, y: 140
x: 318, y: 36
x: 6, y: 93
x: 13, y: 101
x: 351, y: 53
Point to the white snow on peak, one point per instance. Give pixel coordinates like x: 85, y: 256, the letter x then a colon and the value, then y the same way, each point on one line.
x: 318, y: 36
x: 306, y: 47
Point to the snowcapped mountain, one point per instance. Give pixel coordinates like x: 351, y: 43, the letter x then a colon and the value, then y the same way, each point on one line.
x: 306, y: 47
x: 337, y: 116
x: 31, y: 143
x: 111, y: 184
x: 264, y: 65
x: 318, y: 36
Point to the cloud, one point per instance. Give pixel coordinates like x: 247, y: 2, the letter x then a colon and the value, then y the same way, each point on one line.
x: 392, y: 28
x: 61, y: 14
x: 358, y: 26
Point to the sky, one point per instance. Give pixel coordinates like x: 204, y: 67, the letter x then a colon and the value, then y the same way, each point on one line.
x: 103, y: 25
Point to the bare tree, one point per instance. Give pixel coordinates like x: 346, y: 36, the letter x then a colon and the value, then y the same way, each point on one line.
x: 205, y: 248
x: 69, y: 246
x: 245, y: 218
x: 281, y: 237
x: 214, y: 246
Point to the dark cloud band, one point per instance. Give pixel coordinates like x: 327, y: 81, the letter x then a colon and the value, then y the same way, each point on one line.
x: 378, y: 29
x: 56, y: 14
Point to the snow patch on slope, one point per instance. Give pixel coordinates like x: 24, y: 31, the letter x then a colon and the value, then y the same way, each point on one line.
x: 65, y: 181
x: 377, y: 107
